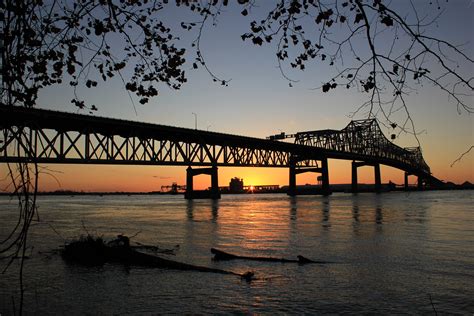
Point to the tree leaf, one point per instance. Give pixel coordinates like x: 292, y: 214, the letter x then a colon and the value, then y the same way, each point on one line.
x: 387, y: 20
x: 257, y: 40
x: 326, y: 87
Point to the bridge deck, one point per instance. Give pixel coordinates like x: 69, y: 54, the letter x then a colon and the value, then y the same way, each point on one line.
x: 58, y: 137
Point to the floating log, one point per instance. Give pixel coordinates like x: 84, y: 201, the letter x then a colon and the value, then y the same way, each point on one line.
x: 222, y: 255
x: 94, y: 251
x: 154, y: 249
x: 133, y: 257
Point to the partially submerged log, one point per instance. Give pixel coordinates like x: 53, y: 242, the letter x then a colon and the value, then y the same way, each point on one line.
x: 155, y: 249
x: 222, y: 255
x: 94, y: 251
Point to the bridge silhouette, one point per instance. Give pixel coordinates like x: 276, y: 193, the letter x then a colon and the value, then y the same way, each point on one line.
x: 44, y: 136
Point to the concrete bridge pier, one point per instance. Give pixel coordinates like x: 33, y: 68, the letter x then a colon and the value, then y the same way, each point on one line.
x: 323, y: 170
x: 406, y: 180
x: 213, y: 193
x: 419, y: 182
x: 325, y: 176
x: 292, y: 180
x: 354, y: 188
x: 377, y: 176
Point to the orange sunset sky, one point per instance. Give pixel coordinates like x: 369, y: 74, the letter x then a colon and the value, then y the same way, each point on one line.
x: 102, y: 178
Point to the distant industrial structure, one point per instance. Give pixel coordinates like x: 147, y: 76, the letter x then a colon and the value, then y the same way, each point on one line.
x: 236, y: 185
x: 174, y: 188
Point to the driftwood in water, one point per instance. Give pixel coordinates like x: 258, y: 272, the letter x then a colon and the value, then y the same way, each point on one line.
x: 222, y: 255
x: 155, y: 249
x: 94, y: 251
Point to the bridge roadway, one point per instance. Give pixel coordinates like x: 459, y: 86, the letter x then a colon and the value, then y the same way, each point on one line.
x: 44, y: 136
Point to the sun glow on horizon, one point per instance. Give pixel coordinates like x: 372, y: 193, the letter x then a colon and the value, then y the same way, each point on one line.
x: 107, y: 178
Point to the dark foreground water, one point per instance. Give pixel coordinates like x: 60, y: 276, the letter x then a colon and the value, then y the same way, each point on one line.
x: 392, y: 252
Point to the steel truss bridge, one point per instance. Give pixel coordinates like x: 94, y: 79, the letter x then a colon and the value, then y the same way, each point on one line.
x: 43, y: 136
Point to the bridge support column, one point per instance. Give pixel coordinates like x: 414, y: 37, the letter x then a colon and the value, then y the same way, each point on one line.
x: 378, y: 179
x: 325, y: 176
x: 354, y: 178
x: 420, y: 183
x: 323, y: 170
x: 292, y: 180
x: 213, y: 193
x: 354, y: 184
x: 189, y: 183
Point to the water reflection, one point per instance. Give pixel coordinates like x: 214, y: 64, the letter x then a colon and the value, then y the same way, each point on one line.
x: 378, y: 210
x: 363, y: 207
x: 293, y: 223
x: 326, y: 208
x: 378, y: 215
x: 355, y: 216
x: 368, y: 214
x: 192, y: 207
x: 293, y: 208
x: 355, y: 213
x: 215, y: 210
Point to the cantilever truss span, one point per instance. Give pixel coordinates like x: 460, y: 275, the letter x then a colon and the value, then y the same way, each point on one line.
x: 44, y: 136
x: 364, y: 138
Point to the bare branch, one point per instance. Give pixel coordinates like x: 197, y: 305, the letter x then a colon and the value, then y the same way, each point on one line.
x: 462, y: 155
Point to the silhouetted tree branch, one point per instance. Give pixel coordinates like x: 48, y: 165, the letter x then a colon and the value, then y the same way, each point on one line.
x: 462, y: 155
x: 85, y: 42
x: 399, y: 55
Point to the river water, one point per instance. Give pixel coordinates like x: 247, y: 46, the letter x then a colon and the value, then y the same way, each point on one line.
x: 392, y: 253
